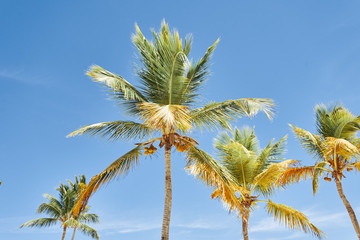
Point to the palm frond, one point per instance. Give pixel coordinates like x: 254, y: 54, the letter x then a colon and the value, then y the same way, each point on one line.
x: 336, y: 121
x: 319, y: 169
x: 88, y: 218
x: 272, y: 152
x: 218, y: 115
x: 40, y: 222
x: 357, y: 166
x: 294, y: 175
x: 122, y: 90
x: 239, y: 161
x: 198, y: 73
x: 119, y: 167
x: 341, y: 146
x: 292, y: 218
x: 165, y: 64
x: 310, y: 142
x: 87, y: 230
x: 202, y: 166
x: 265, y: 182
x: 351, y: 128
x: 115, y: 130
x: 53, y: 209
x: 245, y: 136
x: 169, y: 117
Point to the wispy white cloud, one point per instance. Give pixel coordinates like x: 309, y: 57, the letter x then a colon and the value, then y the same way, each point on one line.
x: 19, y: 76
x: 139, y: 225
x: 127, y: 226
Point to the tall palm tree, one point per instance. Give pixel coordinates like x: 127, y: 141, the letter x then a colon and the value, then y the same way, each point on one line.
x: 335, y: 148
x: 250, y: 172
x: 59, y: 210
x: 165, y: 105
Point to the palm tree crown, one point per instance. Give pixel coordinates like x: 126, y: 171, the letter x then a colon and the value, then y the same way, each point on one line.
x: 250, y: 172
x: 335, y: 147
x: 164, y: 105
x: 60, y: 209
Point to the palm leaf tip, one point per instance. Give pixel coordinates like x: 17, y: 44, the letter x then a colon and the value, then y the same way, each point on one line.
x: 293, y: 219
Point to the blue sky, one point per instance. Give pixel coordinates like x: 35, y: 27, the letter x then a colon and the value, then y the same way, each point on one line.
x: 300, y: 53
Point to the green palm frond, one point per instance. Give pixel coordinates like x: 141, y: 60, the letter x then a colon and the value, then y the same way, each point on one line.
x: 239, y: 162
x: 165, y: 64
x: 336, y: 121
x: 88, y: 218
x: 245, y: 136
x: 121, y: 89
x: 319, y: 169
x: 198, y: 73
x: 351, y: 127
x: 40, y: 222
x: 218, y: 115
x: 293, y: 219
x: 115, y: 130
x: 87, y: 230
x: 310, y: 142
x: 119, y: 167
x: 51, y: 208
x: 272, y: 152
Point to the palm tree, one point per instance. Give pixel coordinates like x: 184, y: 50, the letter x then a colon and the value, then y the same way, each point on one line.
x: 250, y: 172
x: 335, y: 148
x: 59, y: 210
x: 164, y: 104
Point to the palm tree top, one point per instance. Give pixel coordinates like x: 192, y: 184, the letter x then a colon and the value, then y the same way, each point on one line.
x: 241, y: 154
x: 168, y: 88
x: 336, y: 121
x: 244, y: 173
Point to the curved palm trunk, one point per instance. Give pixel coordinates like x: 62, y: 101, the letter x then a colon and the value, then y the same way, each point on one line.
x: 73, y: 236
x: 245, y: 224
x: 64, y: 233
x: 348, y: 207
x: 168, y: 194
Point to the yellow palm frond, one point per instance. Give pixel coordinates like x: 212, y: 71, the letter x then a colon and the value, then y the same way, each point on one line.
x: 119, y: 167
x: 341, y: 146
x: 294, y: 175
x: 170, y: 117
x: 292, y: 218
x: 268, y: 178
x: 204, y: 167
x: 357, y: 165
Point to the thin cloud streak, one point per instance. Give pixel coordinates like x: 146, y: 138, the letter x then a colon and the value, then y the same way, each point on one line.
x: 19, y: 76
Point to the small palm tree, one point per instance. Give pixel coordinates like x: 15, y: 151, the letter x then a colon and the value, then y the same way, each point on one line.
x: 165, y: 105
x: 59, y: 210
x: 335, y: 148
x: 244, y: 173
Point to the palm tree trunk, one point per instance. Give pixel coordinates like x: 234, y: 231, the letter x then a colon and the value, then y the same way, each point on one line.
x: 64, y: 233
x: 348, y: 207
x: 245, y: 224
x: 168, y: 194
x: 73, y: 236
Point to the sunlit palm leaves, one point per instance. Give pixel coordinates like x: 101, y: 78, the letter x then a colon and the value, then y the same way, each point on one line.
x: 244, y: 173
x: 165, y: 103
x: 60, y: 210
x: 336, y: 147
x: 292, y: 218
